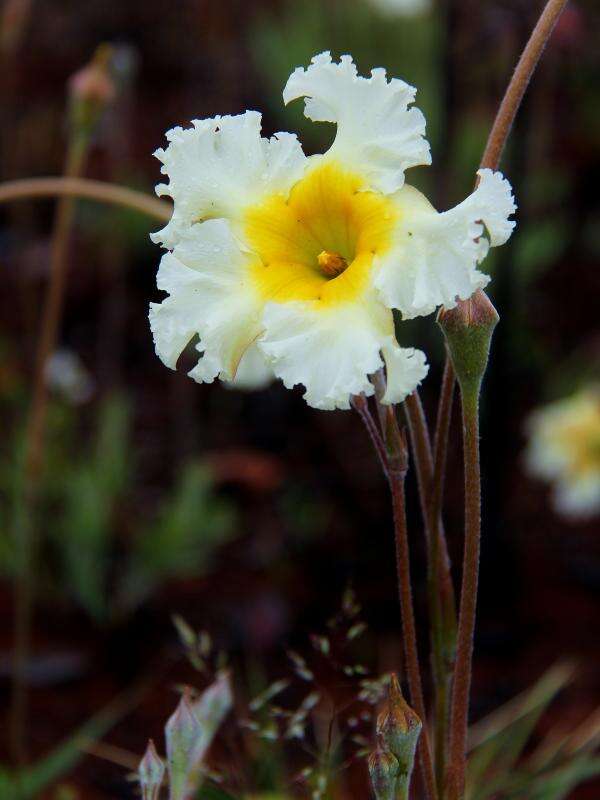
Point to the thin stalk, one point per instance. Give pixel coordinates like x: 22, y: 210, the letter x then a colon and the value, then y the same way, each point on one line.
x: 468, y: 600
x: 462, y: 674
x: 443, y: 678
x: 33, y: 453
x: 520, y: 80
x: 394, y: 462
x: 360, y: 404
x: 442, y: 605
x: 82, y: 187
x: 411, y: 652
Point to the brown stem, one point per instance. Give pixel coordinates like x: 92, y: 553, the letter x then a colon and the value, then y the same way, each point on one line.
x: 82, y: 187
x: 360, y: 404
x: 462, y: 675
x: 440, y: 442
x: 468, y: 600
x: 519, y: 82
x: 444, y: 665
x: 411, y: 652
x: 33, y: 450
x: 442, y: 605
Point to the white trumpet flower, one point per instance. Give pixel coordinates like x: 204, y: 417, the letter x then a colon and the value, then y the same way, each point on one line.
x: 294, y: 264
x: 564, y: 449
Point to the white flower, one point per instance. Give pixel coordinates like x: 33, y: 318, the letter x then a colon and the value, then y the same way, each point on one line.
x: 564, y: 449
x: 291, y: 265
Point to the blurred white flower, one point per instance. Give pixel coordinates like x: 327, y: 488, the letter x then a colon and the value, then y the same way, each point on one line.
x: 402, y: 8
x: 564, y: 449
x: 303, y: 259
x: 66, y: 375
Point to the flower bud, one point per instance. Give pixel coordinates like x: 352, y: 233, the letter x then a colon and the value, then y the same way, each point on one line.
x: 91, y: 90
x: 151, y: 772
x: 182, y: 733
x: 398, y: 728
x: 468, y: 330
x: 383, y: 771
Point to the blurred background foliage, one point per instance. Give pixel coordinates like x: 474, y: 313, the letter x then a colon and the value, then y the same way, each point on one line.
x: 249, y: 513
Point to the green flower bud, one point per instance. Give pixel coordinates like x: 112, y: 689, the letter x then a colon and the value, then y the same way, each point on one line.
x: 468, y: 330
x: 398, y: 728
x: 182, y: 733
x: 383, y: 771
x: 151, y: 772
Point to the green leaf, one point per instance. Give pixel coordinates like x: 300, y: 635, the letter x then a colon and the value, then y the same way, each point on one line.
x: 556, y: 784
x: 498, y: 741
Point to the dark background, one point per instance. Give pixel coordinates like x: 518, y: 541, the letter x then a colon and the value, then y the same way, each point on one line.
x: 302, y: 509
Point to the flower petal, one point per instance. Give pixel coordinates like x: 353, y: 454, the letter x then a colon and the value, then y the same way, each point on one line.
x: 253, y: 371
x: 206, y: 276
x: 434, y: 261
x: 219, y: 166
x: 405, y: 368
x: 376, y: 131
x: 332, y: 351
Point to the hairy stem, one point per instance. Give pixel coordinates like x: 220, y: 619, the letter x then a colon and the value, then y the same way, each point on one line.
x: 91, y: 190
x: 462, y: 674
x: 468, y: 599
x: 445, y: 646
x: 519, y: 82
x: 393, y: 458
x: 411, y: 653
x: 442, y: 605
x: 360, y: 404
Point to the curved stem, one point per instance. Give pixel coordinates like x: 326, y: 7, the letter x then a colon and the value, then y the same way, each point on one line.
x: 462, y: 672
x: 82, y: 187
x: 519, y: 82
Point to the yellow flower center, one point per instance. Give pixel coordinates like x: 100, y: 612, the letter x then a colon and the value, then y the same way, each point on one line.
x: 319, y: 244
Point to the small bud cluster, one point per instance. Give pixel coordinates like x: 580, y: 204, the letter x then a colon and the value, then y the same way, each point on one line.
x: 188, y: 735
x: 391, y: 763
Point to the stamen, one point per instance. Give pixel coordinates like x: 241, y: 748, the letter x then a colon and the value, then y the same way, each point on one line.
x: 332, y: 264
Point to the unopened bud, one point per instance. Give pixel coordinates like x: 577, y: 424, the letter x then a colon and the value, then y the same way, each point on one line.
x: 383, y: 771
x: 91, y: 90
x: 398, y: 728
x: 468, y: 329
x: 151, y: 772
x: 182, y: 733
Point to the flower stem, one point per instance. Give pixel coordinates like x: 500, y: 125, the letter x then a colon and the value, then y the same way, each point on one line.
x: 443, y: 678
x: 468, y: 600
x: 394, y: 460
x: 82, y: 187
x: 411, y: 654
x: 519, y: 82
x: 442, y: 605
x: 360, y: 404
x: 33, y: 453
x: 470, y: 411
